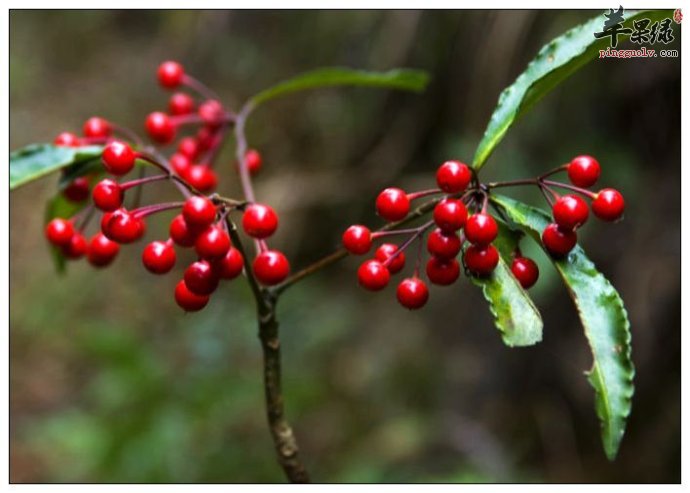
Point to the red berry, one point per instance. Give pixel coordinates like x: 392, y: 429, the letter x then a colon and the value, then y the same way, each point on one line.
x: 443, y: 272
x: 453, y: 176
x: 558, y: 241
x: 170, y: 74
x: 201, y: 278
x: 357, y: 239
x: 525, y: 271
x: 202, y: 177
x: 180, y: 164
x: 253, y: 160
x: 77, y: 190
x: 96, y: 127
x: 59, y: 231
x: 392, y: 204
x: 160, y: 128
x: 570, y: 212
x: 584, y: 171
x: 212, y: 113
x: 107, y: 195
x: 181, y: 233
x: 187, y: 300
x: 412, y: 293
x: 76, y: 248
x: 481, y: 260
x: 443, y: 245
x: 259, y: 221
x: 181, y: 104
x: 102, y: 251
x: 199, y: 212
x: 450, y: 215
x: 189, y: 147
x: 118, y: 158
x: 373, y: 275
x: 608, y: 204
x: 386, y: 251
x: 67, y: 139
x: 212, y: 243
x: 230, y: 266
x: 123, y: 227
x: 159, y: 257
x: 205, y: 137
x: 271, y: 267
x: 481, y: 229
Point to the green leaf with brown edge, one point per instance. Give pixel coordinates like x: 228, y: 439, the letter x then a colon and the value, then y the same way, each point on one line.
x: 556, y: 61
x: 38, y: 160
x: 605, y: 322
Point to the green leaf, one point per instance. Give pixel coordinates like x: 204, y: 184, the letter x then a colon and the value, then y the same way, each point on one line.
x: 37, y: 160
x: 403, y: 79
x: 555, y: 62
x: 605, y: 322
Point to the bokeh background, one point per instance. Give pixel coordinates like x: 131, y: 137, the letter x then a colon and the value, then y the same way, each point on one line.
x: 111, y: 382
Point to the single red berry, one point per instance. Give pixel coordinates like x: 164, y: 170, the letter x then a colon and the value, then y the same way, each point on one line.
x: 230, y: 266
x: 124, y: 227
x: 107, y: 195
x: 259, y: 221
x: 181, y: 104
x: 453, y: 176
x: 386, y: 251
x: 205, y: 137
x: 357, y: 239
x: 525, y: 271
x: 59, y: 231
x: 181, y: 233
x: 102, y: 251
x: 199, y: 212
x: 201, y: 177
x: 187, y: 300
x: 481, y: 260
x: 442, y: 272
x: 212, y: 113
x: 570, y: 212
x: 253, y: 160
x: 450, y: 215
x: 212, y: 243
x: 189, y: 147
x: 118, y: 158
x: 271, y: 267
x: 76, y: 248
x: 392, y: 204
x: 96, y: 127
x: 558, y: 241
x: 481, y: 229
x: 412, y: 293
x: 584, y: 171
x: 443, y: 245
x: 180, y: 164
x: 201, y: 278
x: 170, y: 74
x: 608, y: 204
x: 160, y: 128
x: 159, y: 257
x: 373, y: 275
x: 67, y: 139
x: 77, y: 190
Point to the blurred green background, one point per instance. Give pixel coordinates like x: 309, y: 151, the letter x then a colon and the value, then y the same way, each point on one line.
x: 111, y: 382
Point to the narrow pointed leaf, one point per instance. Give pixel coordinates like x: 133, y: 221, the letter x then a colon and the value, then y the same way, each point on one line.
x: 37, y: 160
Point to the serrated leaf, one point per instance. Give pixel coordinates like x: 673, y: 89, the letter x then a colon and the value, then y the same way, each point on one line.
x: 555, y: 62
x: 37, y: 160
x: 402, y: 79
x: 605, y: 322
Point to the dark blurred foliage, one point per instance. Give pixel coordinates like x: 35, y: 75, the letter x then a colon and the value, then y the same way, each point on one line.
x: 110, y: 382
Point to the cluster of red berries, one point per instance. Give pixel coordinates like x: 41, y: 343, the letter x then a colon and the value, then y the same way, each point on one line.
x: 201, y: 222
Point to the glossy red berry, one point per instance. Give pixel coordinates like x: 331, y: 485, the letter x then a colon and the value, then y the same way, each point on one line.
x: 170, y: 74
x: 59, y: 231
x: 202, y: 178
x: 453, y: 176
x: 77, y: 190
x: 96, y: 127
x: 481, y: 260
x: 450, y: 215
x: 392, y: 204
x: 443, y: 245
x: 159, y: 257
x: 107, y: 195
x: 481, y: 229
x: 181, y: 104
x: 181, y: 233
x: 584, y: 171
x: 205, y: 137
x: 558, y: 241
x: 189, y: 147
x: 187, y: 300
x: 199, y: 212
x: 442, y: 272
x: 180, y: 164
x: 201, y: 278
x: 271, y: 267
x: 212, y: 243
x: 67, y: 139
x: 123, y: 227
x: 373, y: 275
x: 608, y: 204
x: 160, y: 128
x: 118, y: 158
x: 357, y: 239
x: 412, y: 293
x: 525, y: 271
x: 230, y: 266
x: 259, y: 221
x: 570, y: 212
x: 253, y: 160
x: 102, y: 251
x: 76, y: 248
x: 386, y: 251
x: 212, y: 113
